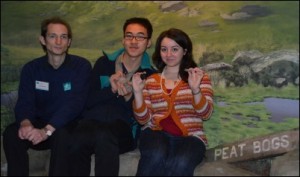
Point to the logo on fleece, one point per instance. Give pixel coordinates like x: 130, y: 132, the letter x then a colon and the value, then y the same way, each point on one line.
x: 67, y: 86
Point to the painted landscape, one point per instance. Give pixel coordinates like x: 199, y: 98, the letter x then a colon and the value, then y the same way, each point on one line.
x: 249, y: 48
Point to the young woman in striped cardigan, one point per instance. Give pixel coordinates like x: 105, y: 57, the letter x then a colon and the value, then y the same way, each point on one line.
x: 171, y: 105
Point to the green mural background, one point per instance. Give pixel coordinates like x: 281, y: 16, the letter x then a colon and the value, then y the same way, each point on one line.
x: 250, y: 49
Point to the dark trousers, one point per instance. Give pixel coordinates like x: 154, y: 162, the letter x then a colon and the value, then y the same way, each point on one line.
x: 105, y: 140
x: 165, y: 155
x: 17, y: 156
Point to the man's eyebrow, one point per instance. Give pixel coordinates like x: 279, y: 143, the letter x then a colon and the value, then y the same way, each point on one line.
x: 137, y: 33
x: 56, y: 33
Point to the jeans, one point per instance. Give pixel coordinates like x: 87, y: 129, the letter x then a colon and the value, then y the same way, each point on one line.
x: 163, y: 154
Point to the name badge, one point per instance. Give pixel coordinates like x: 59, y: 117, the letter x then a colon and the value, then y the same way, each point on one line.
x: 40, y: 85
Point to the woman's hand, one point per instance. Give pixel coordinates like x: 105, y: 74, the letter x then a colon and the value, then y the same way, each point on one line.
x: 194, y: 79
x: 137, y: 82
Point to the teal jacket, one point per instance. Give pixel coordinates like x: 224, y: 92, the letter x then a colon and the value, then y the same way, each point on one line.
x: 102, y: 104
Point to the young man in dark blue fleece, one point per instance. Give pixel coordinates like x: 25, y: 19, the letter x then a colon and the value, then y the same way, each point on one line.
x: 108, y: 127
x: 52, y: 93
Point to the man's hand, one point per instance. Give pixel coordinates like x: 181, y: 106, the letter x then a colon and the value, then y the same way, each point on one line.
x: 114, y: 81
x: 37, y: 136
x: 25, y: 128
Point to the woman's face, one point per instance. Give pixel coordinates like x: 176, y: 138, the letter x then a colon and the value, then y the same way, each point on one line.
x: 171, y: 52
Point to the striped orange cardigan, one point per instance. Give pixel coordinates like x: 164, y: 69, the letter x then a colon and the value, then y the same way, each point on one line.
x: 188, y: 115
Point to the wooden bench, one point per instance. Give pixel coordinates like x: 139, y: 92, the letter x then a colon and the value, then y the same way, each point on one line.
x: 223, y: 160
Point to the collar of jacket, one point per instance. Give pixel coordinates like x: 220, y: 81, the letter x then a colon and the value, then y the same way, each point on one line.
x: 145, y: 59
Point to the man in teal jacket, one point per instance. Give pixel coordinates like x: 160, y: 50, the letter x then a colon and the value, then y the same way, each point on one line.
x: 108, y: 127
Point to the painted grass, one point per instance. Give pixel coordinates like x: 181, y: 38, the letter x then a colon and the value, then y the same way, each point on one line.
x: 19, y: 55
x: 238, y: 120
x: 9, y: 86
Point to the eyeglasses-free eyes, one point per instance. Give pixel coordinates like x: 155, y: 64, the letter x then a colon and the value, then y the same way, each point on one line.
x: 131, y: 37
x: 54, y: 36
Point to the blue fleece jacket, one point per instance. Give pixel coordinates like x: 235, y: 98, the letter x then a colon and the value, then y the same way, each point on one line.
x: 57, y: 96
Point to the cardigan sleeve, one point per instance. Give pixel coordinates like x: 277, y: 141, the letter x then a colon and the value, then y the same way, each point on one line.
x: 205, y: 106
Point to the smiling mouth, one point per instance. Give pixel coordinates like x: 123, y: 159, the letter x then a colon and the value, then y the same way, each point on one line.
x: 134, y: 47
x: 170, y: 59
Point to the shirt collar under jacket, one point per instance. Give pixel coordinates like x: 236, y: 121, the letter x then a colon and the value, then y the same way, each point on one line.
x: 145, y: 59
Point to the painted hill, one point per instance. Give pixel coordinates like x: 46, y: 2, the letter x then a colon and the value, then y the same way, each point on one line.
x: 226, y: 26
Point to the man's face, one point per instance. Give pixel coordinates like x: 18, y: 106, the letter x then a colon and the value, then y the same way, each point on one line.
x: 56, y: 41
x: 135, y: 40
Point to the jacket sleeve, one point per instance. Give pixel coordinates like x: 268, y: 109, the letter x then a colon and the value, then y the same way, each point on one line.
x: 25, y: 106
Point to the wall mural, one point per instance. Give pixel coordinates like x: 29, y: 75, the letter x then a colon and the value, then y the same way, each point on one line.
x: 249, y: 48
